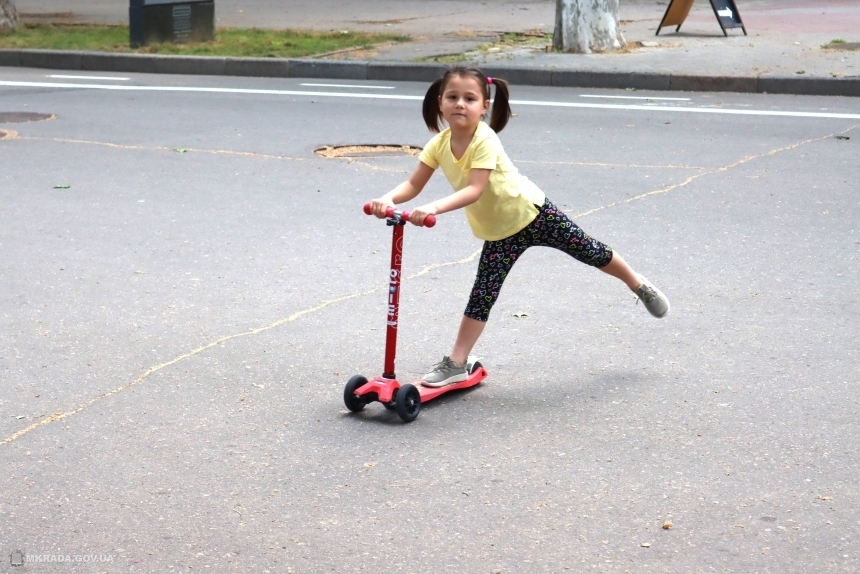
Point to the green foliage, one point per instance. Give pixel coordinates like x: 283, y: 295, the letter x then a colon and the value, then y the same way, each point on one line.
x: 228, y: 41
x: 504, y: 42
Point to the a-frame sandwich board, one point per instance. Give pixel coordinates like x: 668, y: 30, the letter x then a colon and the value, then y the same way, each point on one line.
x: 726, y: 12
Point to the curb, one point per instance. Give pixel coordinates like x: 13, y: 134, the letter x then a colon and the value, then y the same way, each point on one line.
x: 416, y: 72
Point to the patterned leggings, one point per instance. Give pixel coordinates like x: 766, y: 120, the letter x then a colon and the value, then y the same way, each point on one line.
x: 551, y: 228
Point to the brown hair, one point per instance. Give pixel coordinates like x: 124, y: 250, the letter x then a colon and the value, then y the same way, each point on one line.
x: 499, y: 114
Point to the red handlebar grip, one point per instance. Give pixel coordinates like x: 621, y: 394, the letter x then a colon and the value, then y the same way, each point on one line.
x: 429, y: 221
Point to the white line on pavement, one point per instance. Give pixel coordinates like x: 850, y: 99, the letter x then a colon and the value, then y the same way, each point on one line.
x: 88, y: 77
x: 350, y: 86
x: 634, y: 97
x: 728, y: 111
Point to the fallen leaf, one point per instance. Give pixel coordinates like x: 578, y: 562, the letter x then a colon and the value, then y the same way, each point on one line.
x: 843, y: 138
x: 180, y: 150
x: 824, y: 497
x: 645, y: 545
x: 667, y: 525
x: 369, y: 464
x: 62, y: 186
x: 520, y: 315
x: 140, y: 272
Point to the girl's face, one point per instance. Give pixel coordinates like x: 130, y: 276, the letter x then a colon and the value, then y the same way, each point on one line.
x: 462, y: 103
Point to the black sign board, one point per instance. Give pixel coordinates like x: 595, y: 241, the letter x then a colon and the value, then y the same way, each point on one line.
x: 725, y: 10
x: 728, y: 15
x: 152, y: 21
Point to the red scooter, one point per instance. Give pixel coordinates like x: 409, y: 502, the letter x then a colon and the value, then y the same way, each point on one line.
x: 405, y: 399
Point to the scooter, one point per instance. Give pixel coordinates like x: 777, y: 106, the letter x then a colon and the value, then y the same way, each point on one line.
x: 405, y: 399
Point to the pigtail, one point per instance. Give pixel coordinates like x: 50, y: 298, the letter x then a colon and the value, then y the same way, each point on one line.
x: 430, y: 109
x: 501, y: 112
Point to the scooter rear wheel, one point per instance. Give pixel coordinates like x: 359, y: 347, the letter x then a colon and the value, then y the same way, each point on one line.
x: 408, y: 402
x: 352, y: 402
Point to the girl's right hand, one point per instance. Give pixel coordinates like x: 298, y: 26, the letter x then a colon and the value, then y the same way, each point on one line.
x: 378, y: 207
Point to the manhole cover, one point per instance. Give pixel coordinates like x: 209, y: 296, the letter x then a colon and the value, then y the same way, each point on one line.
x: 20, y: 117
x: 368, y: 151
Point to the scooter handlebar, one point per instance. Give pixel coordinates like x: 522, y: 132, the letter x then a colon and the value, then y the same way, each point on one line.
x: 429, y: 221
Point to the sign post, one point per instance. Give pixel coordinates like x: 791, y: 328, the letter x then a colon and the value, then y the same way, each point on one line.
x: 725, y: 10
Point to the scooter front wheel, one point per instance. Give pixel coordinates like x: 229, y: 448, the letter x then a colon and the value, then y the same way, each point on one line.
x: 353, y: 402
x: 408, y: 403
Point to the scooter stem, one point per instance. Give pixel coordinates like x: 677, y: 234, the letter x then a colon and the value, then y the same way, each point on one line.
x: 394, y: 277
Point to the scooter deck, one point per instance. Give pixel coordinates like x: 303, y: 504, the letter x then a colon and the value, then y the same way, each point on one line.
x: 384, y: 389
x: 430, y: 393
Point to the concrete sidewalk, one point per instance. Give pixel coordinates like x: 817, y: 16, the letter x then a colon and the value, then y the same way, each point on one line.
x: 783, y: 48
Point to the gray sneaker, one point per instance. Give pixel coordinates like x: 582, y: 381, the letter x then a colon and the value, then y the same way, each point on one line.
x: 445, y: 372
x: 653, y: 298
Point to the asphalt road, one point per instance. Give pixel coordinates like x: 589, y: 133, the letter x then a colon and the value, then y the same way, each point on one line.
x: 179, y: 322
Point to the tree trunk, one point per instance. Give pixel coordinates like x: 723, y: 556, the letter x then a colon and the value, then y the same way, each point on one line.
x: 8, y: 15
x: 585, y: 26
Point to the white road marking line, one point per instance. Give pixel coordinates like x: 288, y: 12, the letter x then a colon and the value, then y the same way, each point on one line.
x: 633, y: 97
x: 631, y: 107
x: 88, y: 77
x: 729, y: 111
x: 349, y: 86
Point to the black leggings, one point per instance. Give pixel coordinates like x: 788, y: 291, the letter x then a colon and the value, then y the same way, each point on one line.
x: 551, y: 228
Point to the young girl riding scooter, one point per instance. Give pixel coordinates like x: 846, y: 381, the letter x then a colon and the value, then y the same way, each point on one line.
x: 502, y: 206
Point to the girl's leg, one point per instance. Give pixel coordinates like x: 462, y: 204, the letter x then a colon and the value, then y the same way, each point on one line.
x: 557, y: 230
x: 497, y: 258
x: 654, y: 299
x: 618, y: 268
x: 467, y: 336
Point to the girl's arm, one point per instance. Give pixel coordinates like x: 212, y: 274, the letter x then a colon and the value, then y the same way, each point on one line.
x: 478, y: 179
x: 407, y: 190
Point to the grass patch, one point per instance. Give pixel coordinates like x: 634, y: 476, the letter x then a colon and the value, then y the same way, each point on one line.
x: 505, y: 42
x: 445, y: 58
x: 842, y: 45
x: 228, y: 41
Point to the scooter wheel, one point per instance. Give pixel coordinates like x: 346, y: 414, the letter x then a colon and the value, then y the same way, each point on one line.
x: 351, y: 401
x: 408, y: 403
x: 475, y: 366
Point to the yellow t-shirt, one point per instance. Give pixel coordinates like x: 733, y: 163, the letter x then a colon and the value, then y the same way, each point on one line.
x: 507, y: 204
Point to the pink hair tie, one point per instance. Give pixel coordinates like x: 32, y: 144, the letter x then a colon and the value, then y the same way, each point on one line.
x: 489, y: 80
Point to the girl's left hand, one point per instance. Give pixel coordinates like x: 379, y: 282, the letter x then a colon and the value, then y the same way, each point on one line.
x: 419, y: 213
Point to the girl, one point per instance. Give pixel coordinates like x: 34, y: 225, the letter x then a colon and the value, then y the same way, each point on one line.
x: 504, y: 208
